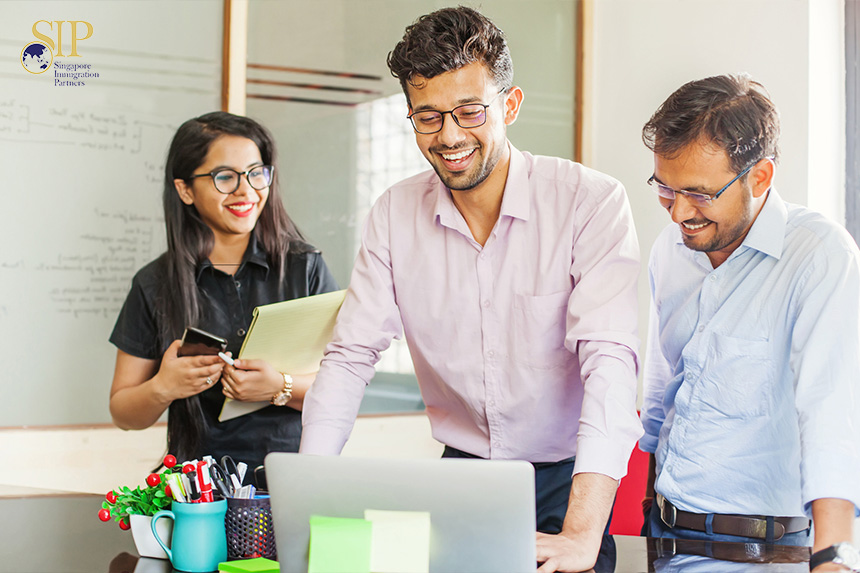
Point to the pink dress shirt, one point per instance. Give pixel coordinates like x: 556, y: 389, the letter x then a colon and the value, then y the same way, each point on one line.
x: 525, y: 348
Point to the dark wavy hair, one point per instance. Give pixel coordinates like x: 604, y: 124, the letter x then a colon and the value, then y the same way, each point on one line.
x: 190, y: 241
x: 732, y: 112
x: 447, y: 40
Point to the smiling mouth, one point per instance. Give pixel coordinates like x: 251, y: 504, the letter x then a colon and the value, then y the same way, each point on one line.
x: 459, y: 156
x: 695, y: 226
x: 241, y: 207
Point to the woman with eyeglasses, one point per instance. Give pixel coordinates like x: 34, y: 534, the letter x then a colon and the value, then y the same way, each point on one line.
x: 230, y: 247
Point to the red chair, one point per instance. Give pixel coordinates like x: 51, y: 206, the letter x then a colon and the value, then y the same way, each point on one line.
x: 627, y: 512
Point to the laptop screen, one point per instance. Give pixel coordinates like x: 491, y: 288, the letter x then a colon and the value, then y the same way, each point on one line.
x: 481, y: 512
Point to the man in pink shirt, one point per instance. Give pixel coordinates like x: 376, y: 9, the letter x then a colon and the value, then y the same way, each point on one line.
x: 513, y: 278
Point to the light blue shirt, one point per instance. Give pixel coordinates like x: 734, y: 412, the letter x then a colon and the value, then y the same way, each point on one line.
x: 753, y: 368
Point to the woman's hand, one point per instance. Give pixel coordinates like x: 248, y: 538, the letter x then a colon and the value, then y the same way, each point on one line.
x: 143, y: 389
x: 251, y: 381
x: 184, y: 376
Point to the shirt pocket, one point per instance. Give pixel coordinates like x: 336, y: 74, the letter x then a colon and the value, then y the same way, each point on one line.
x: 739, y: 377
x: 539, y: 328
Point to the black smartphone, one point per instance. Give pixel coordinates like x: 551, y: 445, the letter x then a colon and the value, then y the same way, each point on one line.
x: 196, y: 342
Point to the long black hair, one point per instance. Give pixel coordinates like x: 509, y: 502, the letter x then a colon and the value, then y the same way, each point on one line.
x: 190, y: 241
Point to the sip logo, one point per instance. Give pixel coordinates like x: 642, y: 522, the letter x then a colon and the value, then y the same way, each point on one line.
x: 37, y: 57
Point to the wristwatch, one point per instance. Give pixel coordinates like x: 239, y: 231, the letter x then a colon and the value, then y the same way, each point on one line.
x: 843, y: 554
x: 282, y: 397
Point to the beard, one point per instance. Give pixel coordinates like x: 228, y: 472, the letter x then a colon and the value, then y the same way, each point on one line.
x: 476, y: 174
x: 726, y: 233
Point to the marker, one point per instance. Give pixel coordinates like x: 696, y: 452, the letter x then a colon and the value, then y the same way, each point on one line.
x: 225, y: 358
x: 205, y: 480
x: 176, y: 487
x: 194, y: 490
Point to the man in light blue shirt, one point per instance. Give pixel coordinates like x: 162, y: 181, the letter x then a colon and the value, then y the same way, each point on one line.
x: 751, y: 376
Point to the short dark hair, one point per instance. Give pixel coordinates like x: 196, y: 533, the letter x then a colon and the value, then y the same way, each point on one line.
x: 732, y: 112
x: 447, y: 40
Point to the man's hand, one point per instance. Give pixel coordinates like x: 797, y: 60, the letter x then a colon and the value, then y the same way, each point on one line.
x: 563, y: 553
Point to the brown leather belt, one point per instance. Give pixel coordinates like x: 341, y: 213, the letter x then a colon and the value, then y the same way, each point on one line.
x: 737, y: 552
x: 740, y: 525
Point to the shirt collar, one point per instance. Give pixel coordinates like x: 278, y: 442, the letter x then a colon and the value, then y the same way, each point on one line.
x: 254, y: 255
x: 767, y: 233
x: 515, y: 199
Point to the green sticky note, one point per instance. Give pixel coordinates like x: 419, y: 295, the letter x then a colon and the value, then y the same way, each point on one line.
x: 401, y: 541
x: 256, y: 565
x: 339, y: 545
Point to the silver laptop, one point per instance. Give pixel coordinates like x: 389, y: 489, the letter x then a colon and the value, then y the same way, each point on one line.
x: 482, y: 513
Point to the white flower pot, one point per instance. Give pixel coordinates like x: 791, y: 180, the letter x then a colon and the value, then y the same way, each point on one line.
x: 141, y: 530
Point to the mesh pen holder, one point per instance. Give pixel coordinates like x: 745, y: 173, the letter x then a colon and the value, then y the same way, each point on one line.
x: 250, y: 531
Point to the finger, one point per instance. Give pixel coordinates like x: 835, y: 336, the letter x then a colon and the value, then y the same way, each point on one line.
x: 172, y: 350
x: 549, y: 566
x: 246, y: 364
x: 208, y: 360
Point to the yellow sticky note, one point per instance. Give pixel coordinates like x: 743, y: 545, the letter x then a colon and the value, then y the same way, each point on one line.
x: 400, y: 541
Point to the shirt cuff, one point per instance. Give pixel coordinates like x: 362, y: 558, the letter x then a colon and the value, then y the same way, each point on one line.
x: 648, y: 443
x: 602, y: 456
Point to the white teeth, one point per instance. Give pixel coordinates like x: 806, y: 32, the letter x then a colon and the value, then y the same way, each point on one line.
x: 242, y: 208
x: 694, y: 227
x: 456, y: 156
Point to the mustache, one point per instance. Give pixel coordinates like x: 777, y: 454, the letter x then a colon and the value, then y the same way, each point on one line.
x: 455, y: 149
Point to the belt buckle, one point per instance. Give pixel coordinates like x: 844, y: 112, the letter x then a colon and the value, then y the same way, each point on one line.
x: 666, y: 547
x: 668, y: 513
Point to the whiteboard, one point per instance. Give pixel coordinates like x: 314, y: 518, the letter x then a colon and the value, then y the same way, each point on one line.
x: 82, y: 171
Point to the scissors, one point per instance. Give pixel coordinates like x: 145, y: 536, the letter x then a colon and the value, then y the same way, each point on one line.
x: 232, y: 471
x: 222, y: 480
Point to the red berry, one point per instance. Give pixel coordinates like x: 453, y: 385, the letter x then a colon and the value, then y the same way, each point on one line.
x: 188, y: 468
x: 169, y: 461
x: 104, y: 514
x: 124, y: 525
x: 111, y: 497
x: 167, y: 491
x: 153, y: 480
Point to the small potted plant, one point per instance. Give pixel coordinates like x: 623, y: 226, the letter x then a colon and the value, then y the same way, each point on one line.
x: 133, y: 509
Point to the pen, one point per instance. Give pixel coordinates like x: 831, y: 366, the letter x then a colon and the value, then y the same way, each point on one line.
x: 225, y: 358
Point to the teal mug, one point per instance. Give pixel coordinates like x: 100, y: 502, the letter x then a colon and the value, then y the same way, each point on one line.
x: 199, y: 538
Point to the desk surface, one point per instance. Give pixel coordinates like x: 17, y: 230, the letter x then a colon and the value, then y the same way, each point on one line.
x: 62, y: 534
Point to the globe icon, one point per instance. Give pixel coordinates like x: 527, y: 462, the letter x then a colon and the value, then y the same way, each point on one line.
x: 36, y: 57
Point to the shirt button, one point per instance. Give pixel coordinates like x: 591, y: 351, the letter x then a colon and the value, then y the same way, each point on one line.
x: 238, y: 284
x: 491, y: 403
x: 490, y: 353
x: 486, y: 304
x: 701, y: 327
x: 497, y: 444
x: 713, y: 278
x: 241, y: 332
